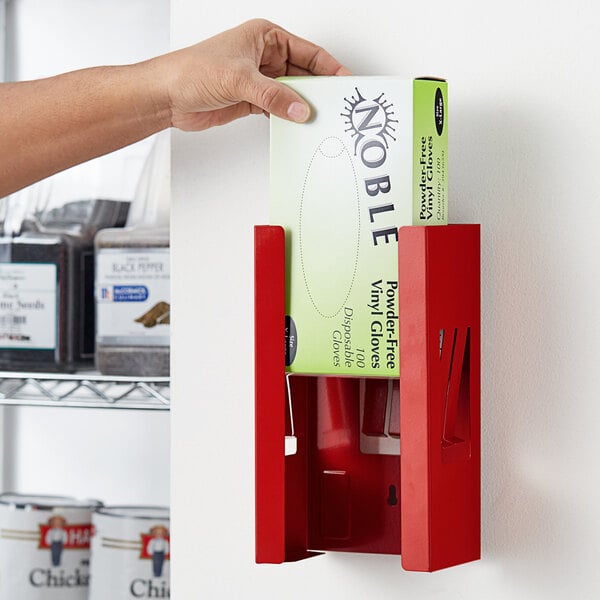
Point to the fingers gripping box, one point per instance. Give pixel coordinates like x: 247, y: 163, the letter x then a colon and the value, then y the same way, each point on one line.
x: 372, y: 158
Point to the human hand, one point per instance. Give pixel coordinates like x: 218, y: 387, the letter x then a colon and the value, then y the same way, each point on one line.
x: 231, y: 75
x: 50, y: 124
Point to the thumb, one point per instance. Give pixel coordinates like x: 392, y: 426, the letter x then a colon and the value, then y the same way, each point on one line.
x: 278, y: 99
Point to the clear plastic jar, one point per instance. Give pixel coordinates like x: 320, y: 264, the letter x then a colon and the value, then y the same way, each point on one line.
x: 133, y: 291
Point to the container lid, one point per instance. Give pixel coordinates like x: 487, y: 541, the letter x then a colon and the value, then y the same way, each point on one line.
x: 81, y: 215
x: 41, y: 502
x: 135, y: 512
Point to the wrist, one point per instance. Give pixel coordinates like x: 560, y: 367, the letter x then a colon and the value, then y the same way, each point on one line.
x: 153, y: 102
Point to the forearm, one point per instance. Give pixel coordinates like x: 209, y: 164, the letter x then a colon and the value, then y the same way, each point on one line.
x: 55, y: 123
x: 51, y: 124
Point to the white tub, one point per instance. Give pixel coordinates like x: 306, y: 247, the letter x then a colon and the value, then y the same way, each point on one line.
x: 45, y: 547
x: 130, y: 553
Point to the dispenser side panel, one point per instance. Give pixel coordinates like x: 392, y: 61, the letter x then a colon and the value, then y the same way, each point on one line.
x: 440, y: 395
x: 281, y: 481
x: 269, y: 359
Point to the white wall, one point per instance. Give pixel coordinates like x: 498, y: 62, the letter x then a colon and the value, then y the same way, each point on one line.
x: 117, y: 456
x: 524, y: 148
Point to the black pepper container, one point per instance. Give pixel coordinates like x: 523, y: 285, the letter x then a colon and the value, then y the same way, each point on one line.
x: 47, y: 309
x: 133, y: 330
x: 133, y: 295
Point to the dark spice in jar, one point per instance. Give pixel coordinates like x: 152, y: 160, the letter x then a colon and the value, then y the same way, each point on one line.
x: 52, y: 329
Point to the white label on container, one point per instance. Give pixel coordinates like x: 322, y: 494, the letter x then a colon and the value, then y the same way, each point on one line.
x: 130, y: 558
x: 44, y: 555
x: 28, y: 305
x: 133, y: 296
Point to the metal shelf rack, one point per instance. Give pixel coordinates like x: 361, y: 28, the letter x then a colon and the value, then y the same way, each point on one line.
x: 84, y: 390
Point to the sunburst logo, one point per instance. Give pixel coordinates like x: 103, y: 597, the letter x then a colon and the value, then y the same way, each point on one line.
x: 369, y: 118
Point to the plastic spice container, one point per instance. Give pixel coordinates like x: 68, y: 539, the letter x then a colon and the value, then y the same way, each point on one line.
x: 133, y: 291
x: 47, y: 309
x: 133, y: 302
